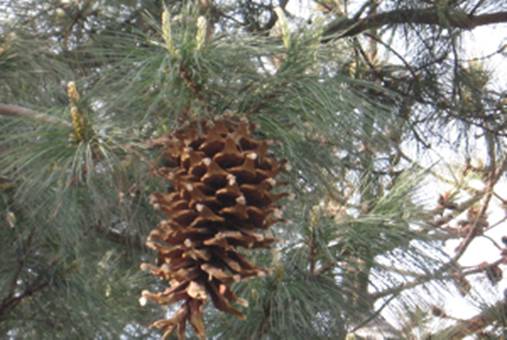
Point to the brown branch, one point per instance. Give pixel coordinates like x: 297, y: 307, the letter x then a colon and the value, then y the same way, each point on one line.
x: 458, y: 210
x: 476, y: 225
x: 13, y: 301
x: 22, y: 112
x: 429, y: 16
x: 437, y: 275
x: 475, y: 324
x: 40, y: 283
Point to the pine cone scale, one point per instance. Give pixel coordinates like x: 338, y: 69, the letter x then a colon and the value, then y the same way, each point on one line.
x: 221, y: 179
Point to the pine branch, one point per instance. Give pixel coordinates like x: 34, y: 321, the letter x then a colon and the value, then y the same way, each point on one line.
x: 9, y: 303
x: 22, y: 112
x: 430, y: 16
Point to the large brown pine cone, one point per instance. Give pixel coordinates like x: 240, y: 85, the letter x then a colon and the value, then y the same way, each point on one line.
x: 222, y: 178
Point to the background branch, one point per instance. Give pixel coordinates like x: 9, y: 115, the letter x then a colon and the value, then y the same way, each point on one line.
x: 23, y: 112
x: 430, y: 16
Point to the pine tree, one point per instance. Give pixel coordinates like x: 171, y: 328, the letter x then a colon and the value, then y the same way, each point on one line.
x: 315, y: 170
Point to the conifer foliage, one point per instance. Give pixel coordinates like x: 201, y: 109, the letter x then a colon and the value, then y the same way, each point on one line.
x: 158, y: 134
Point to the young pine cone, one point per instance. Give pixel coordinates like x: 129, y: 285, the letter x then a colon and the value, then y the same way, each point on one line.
x: 221, y: 197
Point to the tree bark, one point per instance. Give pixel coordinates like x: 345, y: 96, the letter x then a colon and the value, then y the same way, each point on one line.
x: 453, y: 18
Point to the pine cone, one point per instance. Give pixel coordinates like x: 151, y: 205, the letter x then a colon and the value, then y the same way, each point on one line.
x: 222, y: 178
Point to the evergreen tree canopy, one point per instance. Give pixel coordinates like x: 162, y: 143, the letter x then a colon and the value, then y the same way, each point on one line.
x: 370, y: 124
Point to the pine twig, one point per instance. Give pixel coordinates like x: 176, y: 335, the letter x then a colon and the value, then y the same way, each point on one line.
x: 475, y: 324
x: 22, y: 112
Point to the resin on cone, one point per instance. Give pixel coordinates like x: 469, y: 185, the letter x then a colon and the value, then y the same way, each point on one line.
x: 220, y: 200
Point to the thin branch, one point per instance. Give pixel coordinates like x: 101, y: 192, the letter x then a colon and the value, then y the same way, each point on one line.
x: 361, y: 10
x: 10, y: 303
x: 475, y: 324
x: 374, y: 314
x: 398, y: 55
x: 439, y: 274
x: 40, y: 283
x: 23, y: 112
x: 495, y: 176
x: 490, y: 239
